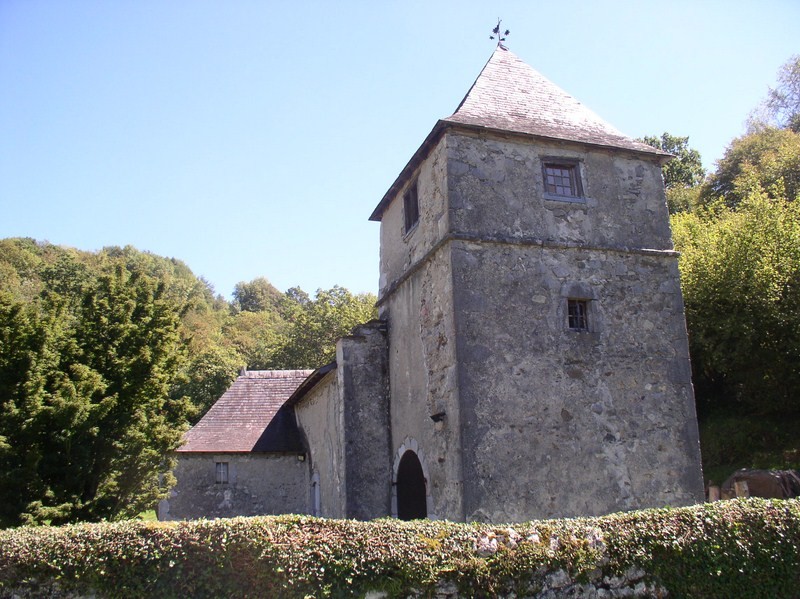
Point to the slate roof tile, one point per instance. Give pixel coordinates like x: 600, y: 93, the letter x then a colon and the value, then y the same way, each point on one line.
x: 512, y: 96
x: 250, y: 416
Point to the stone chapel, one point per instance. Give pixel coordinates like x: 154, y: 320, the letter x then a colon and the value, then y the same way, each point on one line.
x: 530, y: 359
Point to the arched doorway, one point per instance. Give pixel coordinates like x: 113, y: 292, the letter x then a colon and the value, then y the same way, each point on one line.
x: 411, y: 500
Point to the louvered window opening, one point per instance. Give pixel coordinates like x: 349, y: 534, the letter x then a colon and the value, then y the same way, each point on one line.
x: 411, y: 207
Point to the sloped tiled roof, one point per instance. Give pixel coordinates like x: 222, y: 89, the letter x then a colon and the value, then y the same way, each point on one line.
x: 511, y: 96
x: 250, y: 416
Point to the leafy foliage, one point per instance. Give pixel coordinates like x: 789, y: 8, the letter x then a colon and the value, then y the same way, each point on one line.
x: 105, y: 357
x: 317, y: 324
x: 686, y: 169
x: 259, y: 295
x: 781, y: 108
x: 683, y: 174
x: 727, y: 549
x: 740, y: 273
x: 85, y: 376
x: 765, y: 161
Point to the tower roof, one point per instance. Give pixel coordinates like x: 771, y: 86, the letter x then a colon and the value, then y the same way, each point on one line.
x: 510, y: 96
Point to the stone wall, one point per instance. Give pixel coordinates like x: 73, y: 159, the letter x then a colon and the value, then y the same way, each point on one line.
x: 363, y: 381
x: 496, y: 191
x: 557, y: 422
x: 425, y: 410
x: 539, y: 420
x: 416, y: 300
x: 401, y: 250
x: 258, y: 484
x: 345, y: 419
x: 320, y: 416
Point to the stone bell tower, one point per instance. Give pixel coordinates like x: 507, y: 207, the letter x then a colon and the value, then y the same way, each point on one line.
x: 538, y: 357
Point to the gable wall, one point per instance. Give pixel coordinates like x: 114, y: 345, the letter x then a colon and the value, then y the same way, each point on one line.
x: 258, y: 484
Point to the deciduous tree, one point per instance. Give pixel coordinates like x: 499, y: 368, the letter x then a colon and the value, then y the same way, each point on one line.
x: 317, y: 324
x: 740, y: 275
x: 781, y: 108
x: 765, y: 161
x: 683, y: 174
x: 259, y: 295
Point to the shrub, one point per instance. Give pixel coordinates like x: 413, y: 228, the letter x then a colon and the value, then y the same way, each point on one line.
x: 727, y: 549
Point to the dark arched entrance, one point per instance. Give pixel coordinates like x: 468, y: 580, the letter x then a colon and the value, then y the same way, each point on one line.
x: 411, y: 503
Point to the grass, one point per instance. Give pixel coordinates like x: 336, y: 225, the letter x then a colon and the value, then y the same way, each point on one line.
x: 730, y: 441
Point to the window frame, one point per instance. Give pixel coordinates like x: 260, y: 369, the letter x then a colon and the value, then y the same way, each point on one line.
x: 578, y: 320
x: 222, y: 473
x: 410, y: 207
x: 573, y: 167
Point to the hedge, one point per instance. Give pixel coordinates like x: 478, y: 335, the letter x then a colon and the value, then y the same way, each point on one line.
x: 738, y: 548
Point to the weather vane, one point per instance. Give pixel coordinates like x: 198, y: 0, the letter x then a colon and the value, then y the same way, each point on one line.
x: 500, y: 37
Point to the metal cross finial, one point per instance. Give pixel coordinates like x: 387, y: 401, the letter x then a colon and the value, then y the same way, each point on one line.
x: 500, y: 37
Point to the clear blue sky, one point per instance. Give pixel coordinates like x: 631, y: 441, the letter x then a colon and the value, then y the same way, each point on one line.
x: 254, y: 138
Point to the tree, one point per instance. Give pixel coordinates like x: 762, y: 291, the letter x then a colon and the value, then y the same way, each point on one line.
x: 683, y: 174
x: 740, y: 275
x: 766, y: 161
x: 317, y: 324
x: 259, y: 295
x: 781, y: 108
x: 86, y: 414
x: 254, y: 336
x: 207, y: 376
x: 686, y: 169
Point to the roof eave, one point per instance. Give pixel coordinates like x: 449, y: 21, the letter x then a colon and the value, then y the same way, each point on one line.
x: 307, y: 385
x: 650, y: 151
x: 420, y: 155
x: 443, y: 124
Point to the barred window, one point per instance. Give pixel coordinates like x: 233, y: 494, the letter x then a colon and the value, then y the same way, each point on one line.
x: 578, y: 314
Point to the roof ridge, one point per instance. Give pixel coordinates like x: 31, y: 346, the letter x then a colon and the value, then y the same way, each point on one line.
x: 464, y: 99
x: 275, y: 374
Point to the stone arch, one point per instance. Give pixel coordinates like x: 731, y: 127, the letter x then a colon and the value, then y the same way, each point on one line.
x: 410, y: 483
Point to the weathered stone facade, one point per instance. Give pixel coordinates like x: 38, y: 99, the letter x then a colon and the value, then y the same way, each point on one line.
x: 539, y: 420
x: 345, y: 419
x: 257, y: 484
x: 531, y: 360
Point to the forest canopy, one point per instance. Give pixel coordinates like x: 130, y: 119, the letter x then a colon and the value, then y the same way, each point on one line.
x: 107, y: 357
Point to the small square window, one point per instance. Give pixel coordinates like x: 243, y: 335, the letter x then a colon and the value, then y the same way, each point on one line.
x: 578, y: 314
x: 562, y: 179
x: 411, y: 207
x: 222, y: 473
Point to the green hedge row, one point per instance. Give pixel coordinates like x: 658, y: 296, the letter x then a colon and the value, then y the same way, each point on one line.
x: 738, y: 548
